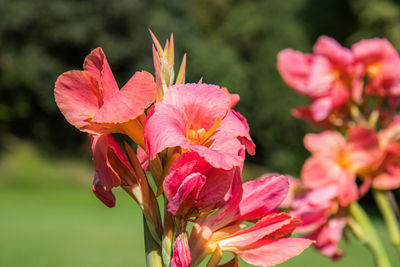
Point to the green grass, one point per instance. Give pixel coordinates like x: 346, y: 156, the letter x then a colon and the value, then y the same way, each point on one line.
x: 50, y: 217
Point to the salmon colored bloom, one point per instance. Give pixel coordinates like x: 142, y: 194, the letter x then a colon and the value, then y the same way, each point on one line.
x: 388, y: 174
x: 198, y: 118
x: 326, y: 76
x: 381, y: 63
x: 322, y: 217
x: 318, y: 210
x: 91, y: 101
x: 315, y: 207
x: 328, y: 236
x: 337, y: 161
x: 264, y: 243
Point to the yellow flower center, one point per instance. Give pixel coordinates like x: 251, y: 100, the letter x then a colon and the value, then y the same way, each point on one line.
x: 343, y: 160
x: 195, y: 136
x: 373, y: 70
x: 201, y: 136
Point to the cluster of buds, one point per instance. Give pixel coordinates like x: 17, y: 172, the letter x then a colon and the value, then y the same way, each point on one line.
x: 354, y: 95
x: 190, y: 141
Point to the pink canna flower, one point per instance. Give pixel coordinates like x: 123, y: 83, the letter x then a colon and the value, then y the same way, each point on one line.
x: 264, y: 243
x: 327, y: 237
x: 315, y: 207
x: 91, y: 101
x: 337, y: 161
x: 388, y: 174
x: 322, y: 217
x: 181, y: 257
x: 327, y: 77
x: 107, y: 197
x: 192, y: 185
x: 198, y: 118
x: 381, y: 62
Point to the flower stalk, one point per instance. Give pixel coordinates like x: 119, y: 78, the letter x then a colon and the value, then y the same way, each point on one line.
x: 369, y: 235
x: 152, y: 248
x: 381, y: 199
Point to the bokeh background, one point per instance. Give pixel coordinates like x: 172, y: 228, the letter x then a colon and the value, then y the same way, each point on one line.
x: 48, y: 215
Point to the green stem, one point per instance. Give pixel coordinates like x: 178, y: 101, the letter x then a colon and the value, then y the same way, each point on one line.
x: 168, y: 234
x: 386, y: 209
x: 152, y: 248
x: 369, y: 235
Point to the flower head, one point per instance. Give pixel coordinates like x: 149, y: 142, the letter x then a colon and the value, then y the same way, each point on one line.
x: 263, y: 243
x: 327, y: 76
x: 198, y: 118
x: 337, y: 161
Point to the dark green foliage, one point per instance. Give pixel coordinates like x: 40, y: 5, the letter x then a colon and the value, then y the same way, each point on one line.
x: 230, y: 43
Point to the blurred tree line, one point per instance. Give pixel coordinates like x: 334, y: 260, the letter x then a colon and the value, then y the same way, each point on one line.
x: 232, y: 43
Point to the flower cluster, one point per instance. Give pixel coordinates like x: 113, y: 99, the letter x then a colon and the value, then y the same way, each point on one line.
x: 188, y: 138
x: 337, y: 78
x: 354, y: 95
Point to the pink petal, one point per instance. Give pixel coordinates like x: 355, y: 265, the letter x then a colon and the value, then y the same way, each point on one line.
x: 130, y: 102
x: 223, y: 215
x: 101, y: 145
x: 365, y: 154
x: 339, y: 95
x: 321, y: 171
x: 203, y: 104
x: 188, y: 191
x: 268, y: 225
x: 272, y: 252
x: 390, y: 70
x: 313, y: 208
x: 348, y: 191
x: 235, y: 98
x: 107, y: 197
x: 96, y: 64
x: 328, y: 237
x: 321, y: 77
x: 182, y: 167
x: 143, y: 158
x: 166, y: 127
x: 235, y: 125
x: 216, y: 184
x: 326, y: 142
x: 357, y: 82
x: 321, y: 108
x: 375, y: 49
x: 361, y: 138
x: 386, y: 181
x: 323, y: 195
x: 295, y: 68
x: 182, y: 256
x: 262, y: 196
x: 108, y: 177
x: 224, y: 152
x: 311, y: 221
x: 331, y: 49
x: 78, y: 96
